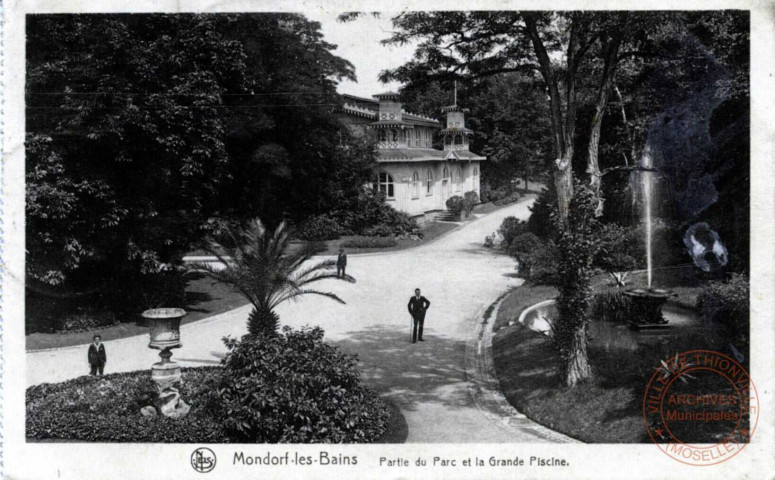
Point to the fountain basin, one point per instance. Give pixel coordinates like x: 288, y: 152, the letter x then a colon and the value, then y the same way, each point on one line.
x: 647, y: 306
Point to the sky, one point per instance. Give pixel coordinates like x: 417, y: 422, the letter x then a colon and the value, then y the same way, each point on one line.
x: 359, y: 42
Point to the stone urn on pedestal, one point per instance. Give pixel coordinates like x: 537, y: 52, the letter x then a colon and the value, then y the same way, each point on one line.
x: 164, y: 324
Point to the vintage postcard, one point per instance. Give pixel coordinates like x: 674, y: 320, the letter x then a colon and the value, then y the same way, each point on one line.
x: 452, y: 240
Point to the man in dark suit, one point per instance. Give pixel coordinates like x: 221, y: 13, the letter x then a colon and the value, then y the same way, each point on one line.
x: 97, y: 357
x: 341, y: 263
x: 418, y: 305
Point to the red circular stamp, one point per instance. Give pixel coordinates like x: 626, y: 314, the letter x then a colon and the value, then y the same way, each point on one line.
x: 701, y: 407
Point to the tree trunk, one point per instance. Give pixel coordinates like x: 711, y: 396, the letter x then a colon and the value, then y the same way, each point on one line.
x: 578, y: 368
x: 611, y: 52
x: 562, y: 125
x: 563, y: 185
x: 263, y: 321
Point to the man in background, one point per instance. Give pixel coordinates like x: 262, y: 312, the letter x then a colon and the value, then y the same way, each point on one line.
x: 418, y: 305
x: 341, y: 263
x: 97, y: 357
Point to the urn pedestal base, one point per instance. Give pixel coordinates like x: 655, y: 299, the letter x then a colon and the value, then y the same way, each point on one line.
x: 167, y: 377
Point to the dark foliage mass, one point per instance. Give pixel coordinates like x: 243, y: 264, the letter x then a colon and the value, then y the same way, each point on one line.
x: 107, y: 409
x: 365, y: 213
x: 370, y: 242
x: 294, y: 388
x: 612, y: 307
x: 148, y: 132
x: 726, y: 304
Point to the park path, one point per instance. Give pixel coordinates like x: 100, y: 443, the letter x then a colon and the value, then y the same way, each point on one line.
x: 427, y: 380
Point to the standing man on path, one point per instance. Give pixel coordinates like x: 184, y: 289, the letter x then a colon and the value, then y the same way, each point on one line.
x: 418, y: 305
x: 97, y: 356
x: 341, y: 263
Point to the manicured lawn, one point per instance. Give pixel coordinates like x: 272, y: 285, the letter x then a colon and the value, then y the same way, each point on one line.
x: 608, y: 408
x: 204, y: 297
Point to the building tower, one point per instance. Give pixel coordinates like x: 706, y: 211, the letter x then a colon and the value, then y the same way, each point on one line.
x: 390, y: 125
x: 456, y: 135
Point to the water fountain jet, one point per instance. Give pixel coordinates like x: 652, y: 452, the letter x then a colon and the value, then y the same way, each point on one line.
x: 647, y: 303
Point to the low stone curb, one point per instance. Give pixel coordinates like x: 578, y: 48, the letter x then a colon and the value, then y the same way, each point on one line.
x: 484, y: 388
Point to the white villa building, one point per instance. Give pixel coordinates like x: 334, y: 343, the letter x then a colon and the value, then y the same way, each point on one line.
x: 415, y: 177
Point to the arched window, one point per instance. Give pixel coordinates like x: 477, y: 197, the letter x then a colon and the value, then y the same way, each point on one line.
x: 394, y: 135
x: 445, y: 174
x: 416, y: 185
x: 382, y: 136
x: 476, y: 172
x: 447, y: 140
x: 429, y: 182
x: 458, y: 139
x: 417, y: 138
x: 459, y: 179
x: 385, y: 184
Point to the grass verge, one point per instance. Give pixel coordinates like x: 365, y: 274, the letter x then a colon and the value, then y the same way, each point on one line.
x: 607, y: 409
x: 204, y: 297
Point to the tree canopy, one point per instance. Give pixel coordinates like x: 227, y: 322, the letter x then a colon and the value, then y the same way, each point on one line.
x: 141, y: 128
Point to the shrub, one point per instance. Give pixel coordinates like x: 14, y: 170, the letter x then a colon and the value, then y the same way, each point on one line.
x: 490, y: 194
x: 369, y: 210
x: 107, y: 409
x: 320, y: 227
x: 470, y: 199
x: 545, y: 265
x: 537, y: 260
x: 522, y: 247
x: 611, y: 307
x: 510, y: 197
x: 370, y: 242
x: 540, y: 222
x: 726, y: 304
x: 621, y: 249
x: 295, y: 388
x: 86, y: 320
x: 511, y: 228
x: 455, y: 205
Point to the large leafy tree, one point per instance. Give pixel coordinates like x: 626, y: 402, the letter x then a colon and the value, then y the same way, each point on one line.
x: 125, y: 139
x: 141, y: 128
x: 283, y: 135
x: 571, y: 51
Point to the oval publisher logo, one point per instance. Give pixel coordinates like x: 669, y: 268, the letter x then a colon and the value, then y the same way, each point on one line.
x: 203, y: 460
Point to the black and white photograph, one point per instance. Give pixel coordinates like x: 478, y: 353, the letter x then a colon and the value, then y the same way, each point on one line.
x: 418, y: 242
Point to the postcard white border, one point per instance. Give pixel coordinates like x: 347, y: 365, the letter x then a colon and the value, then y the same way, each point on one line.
x: 115, y: 461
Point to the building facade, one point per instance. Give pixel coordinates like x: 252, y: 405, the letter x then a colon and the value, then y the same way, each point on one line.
x: 415, y: 177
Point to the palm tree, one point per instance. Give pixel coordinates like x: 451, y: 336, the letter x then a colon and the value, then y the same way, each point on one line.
x: 267, y: 272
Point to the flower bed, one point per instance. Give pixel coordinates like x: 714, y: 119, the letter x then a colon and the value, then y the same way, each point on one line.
x: 107, y: 409
x: 289, y: 388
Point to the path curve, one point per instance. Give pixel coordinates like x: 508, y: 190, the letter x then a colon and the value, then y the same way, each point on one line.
x: 427, y: 381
